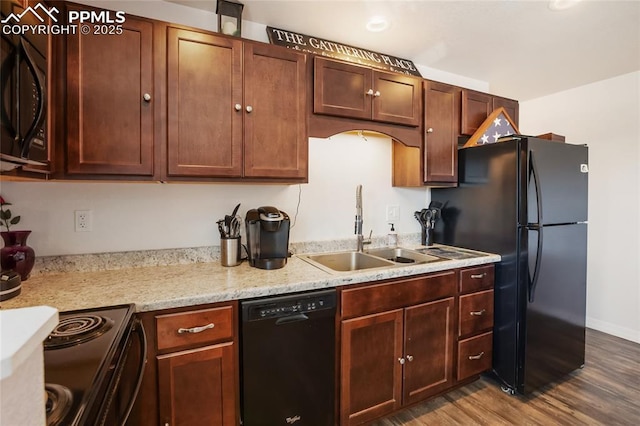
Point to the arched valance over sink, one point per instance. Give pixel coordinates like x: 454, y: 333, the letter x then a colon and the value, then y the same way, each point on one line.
x: 321, y: 126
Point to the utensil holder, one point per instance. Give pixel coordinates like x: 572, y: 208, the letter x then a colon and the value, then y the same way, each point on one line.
x: 230, y: 251
x: 427, y: 236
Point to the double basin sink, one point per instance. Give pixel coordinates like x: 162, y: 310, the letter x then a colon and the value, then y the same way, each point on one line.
x: 381, y: 258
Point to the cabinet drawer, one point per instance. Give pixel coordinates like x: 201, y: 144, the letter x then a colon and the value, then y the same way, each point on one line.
x: 476, y: 312
x: 474, y: 355
x: 476, y: 279
x: 398, y: 294
x: 205, y: 326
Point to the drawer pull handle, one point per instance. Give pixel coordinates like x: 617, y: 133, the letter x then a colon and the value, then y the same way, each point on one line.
x: 478, y: 313
x: 196, y: 329
x: 472, y: 357
x: 479, y: 276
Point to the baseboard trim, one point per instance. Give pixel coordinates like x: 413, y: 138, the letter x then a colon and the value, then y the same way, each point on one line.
x: 614, y: 329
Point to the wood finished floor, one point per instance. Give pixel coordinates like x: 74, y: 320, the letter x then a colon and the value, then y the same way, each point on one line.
x: 605, y: 392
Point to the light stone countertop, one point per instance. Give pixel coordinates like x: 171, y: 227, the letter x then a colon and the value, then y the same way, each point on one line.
x: 161, y: 287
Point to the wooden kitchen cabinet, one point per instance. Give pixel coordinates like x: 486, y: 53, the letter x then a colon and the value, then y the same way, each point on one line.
x: 442, y: 118
x: 475, y: 322
x: 371, y: 378
x: 192, y: 375
x: 204, y: 81
x: 275, y: 125
x: 235, y: 109
x: 353, y: 91
x: 477, y: 106
x: 397, y: 345
x: 111, y: 101
x: 436, y: 164
x: 194, y: 386
x: 429, y: 336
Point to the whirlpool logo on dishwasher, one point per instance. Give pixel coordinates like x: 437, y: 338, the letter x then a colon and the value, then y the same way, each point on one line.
x: 292, y: 420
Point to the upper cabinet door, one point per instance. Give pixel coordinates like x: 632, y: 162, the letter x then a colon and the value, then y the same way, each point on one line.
x: 110, y: 102
x: 510, y: 106
x: 354, y: 91
x: 442, y: 118
x: 204, y: 104
x: 397, y: 98
x: 476, y: 107
x: 342, y: 89
x: 275, y: 115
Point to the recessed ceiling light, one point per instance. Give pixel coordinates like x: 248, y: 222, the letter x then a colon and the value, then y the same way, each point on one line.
x: 377, y: 24
x: 562, y: 4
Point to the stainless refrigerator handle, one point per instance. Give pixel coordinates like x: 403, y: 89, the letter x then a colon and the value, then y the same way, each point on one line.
x: 538, y: 227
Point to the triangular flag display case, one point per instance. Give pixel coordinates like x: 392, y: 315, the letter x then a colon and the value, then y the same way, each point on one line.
x: 498, y: 124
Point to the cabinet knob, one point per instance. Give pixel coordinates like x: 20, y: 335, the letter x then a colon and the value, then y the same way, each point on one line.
x: 370, y: 92
x: 146, y: 97
x: 377, y: 93
x: 473, y: 357
x: 249, y: 108
x: 237, y: 107
x: 409, y: 358
x: 401, y: 360
x: 478, y: 313
x: 430, y: 130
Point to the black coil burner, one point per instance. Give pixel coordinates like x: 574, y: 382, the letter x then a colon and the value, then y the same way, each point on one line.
x: 59, y: 402
x: 77, y: 329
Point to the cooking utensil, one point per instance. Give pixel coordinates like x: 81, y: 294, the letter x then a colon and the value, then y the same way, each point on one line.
x: 222, y: 228
x: 234, y: 227
x: 435, y: 205
x: 235, y: 210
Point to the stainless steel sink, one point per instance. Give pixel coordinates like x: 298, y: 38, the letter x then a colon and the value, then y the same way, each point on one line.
x: 403, y: 256
x: 346, y: 261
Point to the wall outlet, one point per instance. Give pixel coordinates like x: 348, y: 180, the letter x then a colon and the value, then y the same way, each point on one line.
x: 83, y: 220
x: 393, y: 213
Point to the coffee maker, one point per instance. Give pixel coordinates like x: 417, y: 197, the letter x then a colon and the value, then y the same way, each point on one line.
x: 267, y: 237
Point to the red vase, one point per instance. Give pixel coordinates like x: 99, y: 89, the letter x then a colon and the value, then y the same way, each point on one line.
x: 16, y: 255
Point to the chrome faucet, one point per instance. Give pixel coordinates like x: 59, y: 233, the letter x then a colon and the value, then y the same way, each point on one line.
x: 358, y: 228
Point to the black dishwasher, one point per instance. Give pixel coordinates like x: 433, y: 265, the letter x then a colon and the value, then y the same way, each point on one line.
x: 288, y: 360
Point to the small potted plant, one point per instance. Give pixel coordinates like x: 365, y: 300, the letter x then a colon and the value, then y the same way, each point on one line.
x: 16, y: 255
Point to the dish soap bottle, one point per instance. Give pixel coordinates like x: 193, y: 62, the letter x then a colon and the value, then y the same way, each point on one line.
x: 392, y: 237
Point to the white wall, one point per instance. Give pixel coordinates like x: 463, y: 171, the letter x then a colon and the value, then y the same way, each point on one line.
x: 144, y: 216
x: 606, y: 116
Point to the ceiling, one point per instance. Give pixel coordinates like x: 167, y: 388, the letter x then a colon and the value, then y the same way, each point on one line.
x: 522, y: 49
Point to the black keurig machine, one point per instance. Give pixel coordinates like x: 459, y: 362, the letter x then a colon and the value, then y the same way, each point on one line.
x: 267, y: 237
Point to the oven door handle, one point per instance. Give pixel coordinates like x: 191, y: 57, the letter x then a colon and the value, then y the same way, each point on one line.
x: 139, y: 330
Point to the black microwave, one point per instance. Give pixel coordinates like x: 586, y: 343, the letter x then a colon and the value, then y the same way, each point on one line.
x: 23, y: 81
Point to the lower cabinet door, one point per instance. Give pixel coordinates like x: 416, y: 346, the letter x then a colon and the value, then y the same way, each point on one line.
x: 371, y: 371
x: 197, y: 387
x: 429, y: 344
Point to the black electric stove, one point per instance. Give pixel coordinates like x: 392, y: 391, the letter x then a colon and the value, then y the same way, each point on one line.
x: 85, y: 357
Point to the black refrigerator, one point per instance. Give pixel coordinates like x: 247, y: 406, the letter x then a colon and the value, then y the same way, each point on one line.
x: 526, y: 200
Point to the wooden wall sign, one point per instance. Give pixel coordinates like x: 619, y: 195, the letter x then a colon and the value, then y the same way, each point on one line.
x: 332, y: 49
